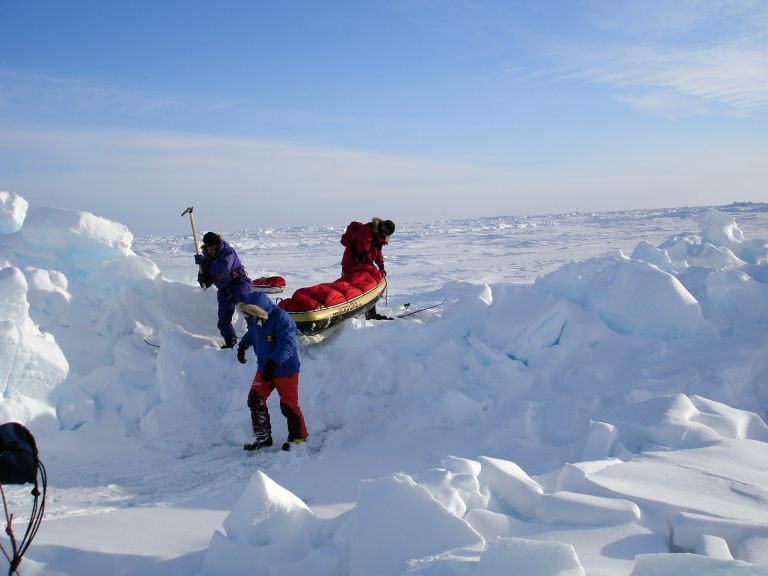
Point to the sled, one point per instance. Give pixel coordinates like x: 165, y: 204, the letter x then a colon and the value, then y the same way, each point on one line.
x: 320, y: 319
x: 268, y: 284
x: 318, y: 308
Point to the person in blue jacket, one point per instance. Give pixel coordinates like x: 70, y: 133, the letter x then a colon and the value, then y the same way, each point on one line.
x: 221, y: 267
x: 272, y: 334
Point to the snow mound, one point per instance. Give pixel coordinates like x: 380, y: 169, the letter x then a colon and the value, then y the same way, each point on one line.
x: 13, y: 210
x: 693, y: 565
x: 31, y: 363
x: 269, y: 526
x: 630, y: 296
x: 396, y: 521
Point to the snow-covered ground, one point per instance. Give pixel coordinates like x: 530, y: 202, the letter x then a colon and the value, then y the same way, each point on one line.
x: 590, y: 399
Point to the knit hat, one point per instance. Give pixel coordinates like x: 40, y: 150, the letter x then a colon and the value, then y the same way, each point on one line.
x: 211, y: 239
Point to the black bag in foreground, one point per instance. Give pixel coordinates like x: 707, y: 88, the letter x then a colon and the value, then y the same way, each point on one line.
x: 18, y: 455
x: 20, y: 464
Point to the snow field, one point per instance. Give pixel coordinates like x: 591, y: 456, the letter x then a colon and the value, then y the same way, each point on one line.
x: 605, y: 418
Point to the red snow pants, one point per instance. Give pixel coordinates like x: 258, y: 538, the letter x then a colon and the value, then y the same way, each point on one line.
x: 288, y: 389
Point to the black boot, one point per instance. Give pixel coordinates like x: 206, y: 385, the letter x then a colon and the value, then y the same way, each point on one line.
x: 371, y: 314
x: 259, y: 443
x: 291, y: 443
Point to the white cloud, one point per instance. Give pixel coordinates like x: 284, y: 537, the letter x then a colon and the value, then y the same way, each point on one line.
x: 64, y: 95
x: 733, y: 75
x: 142, y: 178
x: 667, y: 104
x: 146, y: 179
x: 710, y: 52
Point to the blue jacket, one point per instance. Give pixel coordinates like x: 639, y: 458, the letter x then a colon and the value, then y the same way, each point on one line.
x: 273, y: 338
x: 223, y: 269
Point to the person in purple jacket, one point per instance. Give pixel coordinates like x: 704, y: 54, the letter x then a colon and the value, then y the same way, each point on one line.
x: 272, y: 334
x: 220, y: 267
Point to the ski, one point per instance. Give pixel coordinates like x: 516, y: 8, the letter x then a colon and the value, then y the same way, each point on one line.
x: 410, y: 312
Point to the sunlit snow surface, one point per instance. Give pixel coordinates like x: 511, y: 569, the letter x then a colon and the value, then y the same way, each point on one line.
x: 590, y: 399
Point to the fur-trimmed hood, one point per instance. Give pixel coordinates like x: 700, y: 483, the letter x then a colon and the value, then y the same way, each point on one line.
x: 272, y: 334
x: 382, y: 227
x: 257, y: 304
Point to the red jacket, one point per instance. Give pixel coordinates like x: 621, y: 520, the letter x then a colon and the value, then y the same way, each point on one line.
x: 362, y: 247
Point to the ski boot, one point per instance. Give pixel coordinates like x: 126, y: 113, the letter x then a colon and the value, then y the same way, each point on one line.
x: 259, y: 442
x: 288, y: 445
x: 372, y: 314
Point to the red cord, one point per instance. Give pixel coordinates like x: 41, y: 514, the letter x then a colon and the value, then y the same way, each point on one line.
x: 9, y: 530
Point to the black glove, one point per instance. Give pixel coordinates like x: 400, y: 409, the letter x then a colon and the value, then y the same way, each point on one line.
x: 199, y: 258
x: 202, y: 280
x: 241, y: 354
x: 360, y: 259
x: 269, y: 370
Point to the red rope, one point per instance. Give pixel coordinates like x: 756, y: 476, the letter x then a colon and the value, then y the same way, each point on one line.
x: 14, y: 560
x: 35, y: 519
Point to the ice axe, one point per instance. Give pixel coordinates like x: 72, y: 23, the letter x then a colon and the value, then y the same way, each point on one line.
x: 191, y: 212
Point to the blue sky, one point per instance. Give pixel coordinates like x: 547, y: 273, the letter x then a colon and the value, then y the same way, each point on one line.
x: 317, y: 112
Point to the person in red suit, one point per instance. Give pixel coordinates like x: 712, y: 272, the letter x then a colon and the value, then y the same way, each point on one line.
x: 363, y: 245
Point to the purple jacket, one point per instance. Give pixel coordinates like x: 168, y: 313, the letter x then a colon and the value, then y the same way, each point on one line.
x: 223, y: 269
